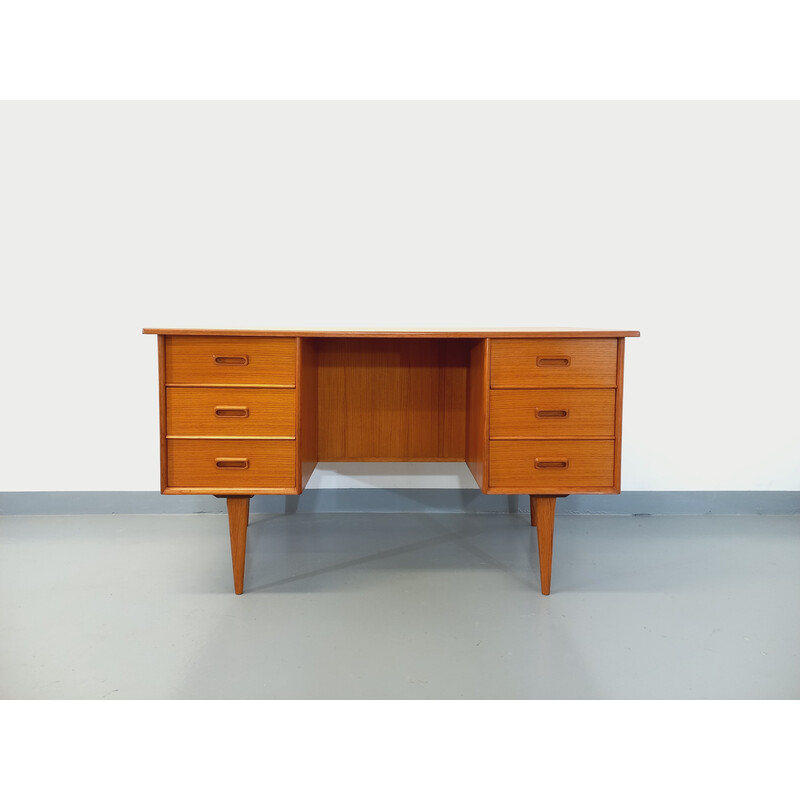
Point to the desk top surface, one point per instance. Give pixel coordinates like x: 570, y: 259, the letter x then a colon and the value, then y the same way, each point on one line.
x: 424, y: 333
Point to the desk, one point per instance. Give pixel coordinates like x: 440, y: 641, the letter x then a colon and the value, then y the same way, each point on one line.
x: 534, y: 411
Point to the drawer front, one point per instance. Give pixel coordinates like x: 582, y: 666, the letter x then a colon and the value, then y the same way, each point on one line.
x: 552, y: 464
x: 231, y: 360
x: 543, y: 413
x: 230, y: 463
x: 556, y: 363
x: 230, y: 412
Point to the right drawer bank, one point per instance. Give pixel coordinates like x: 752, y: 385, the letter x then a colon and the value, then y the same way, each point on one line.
x: 553, y: 415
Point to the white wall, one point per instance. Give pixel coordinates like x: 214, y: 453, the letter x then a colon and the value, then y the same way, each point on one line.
x: 678, y: 219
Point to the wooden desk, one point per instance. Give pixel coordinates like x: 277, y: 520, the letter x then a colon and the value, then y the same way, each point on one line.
x: 535, y: 411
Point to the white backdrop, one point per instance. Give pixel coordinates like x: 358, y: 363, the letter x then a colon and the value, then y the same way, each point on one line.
x: 677, y: 219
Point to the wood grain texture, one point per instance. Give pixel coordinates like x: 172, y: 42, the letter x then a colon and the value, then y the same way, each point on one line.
x: 162, y: 410
x: 618, y: 423
x: 307, y: 411
x: 192, y: 464
x: 512, y: 465
x: 592, y: 363
x: 477, y: 442
x: 230, y: 490
x: 545, y: 522
x: 391, y: 400
x: 193, y: 412
x: 526, y: 413
x: 238, y: 514
x: 192, y: 360
x: 425, y: 333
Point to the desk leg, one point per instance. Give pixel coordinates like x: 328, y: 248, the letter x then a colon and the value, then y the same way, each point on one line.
x: 543, y: 510
x: 238, y: 513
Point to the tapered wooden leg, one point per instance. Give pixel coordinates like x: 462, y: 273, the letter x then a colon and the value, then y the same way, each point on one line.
x: 545, y: 519
x: 533, y: 511
x: 238, y: 513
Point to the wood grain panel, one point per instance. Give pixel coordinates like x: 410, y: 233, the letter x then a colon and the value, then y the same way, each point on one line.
x: 553, y: 363
x: 453, y: 366
x: 392, y: 399
x: 205, y: 412
x: 211, y: 360
x: 618, y: 428
x: 477, y: 422
x: 545, y: 413
x: 192, y: 463
x: 307, y: 409
x: 162, y: 409
x: 513, y: 465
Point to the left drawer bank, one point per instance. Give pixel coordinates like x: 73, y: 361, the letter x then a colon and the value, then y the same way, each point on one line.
x: 228, y: 414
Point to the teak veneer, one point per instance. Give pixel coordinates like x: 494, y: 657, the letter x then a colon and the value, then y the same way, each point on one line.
x: 535, y: 411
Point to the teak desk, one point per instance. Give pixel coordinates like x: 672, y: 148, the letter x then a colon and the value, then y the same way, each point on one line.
x: 536, y: 411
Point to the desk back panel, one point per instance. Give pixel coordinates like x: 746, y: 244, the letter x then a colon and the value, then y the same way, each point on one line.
x: 392, y: 399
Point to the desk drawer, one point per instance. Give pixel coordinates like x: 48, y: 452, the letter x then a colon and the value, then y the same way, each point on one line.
x: 231, y: 360
x: 230, y: 412
x: 528, y: 466
x: 544, y: 413
x: 556, y: 363
x: 218, y: 464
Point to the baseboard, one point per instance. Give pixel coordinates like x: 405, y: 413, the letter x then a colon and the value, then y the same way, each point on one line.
x: 398, y: 500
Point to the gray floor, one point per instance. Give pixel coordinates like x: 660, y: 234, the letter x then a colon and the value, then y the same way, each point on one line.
x: 399, y: 606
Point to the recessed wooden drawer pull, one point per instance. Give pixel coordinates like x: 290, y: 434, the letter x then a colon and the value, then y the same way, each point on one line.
x: 232, y: 361
x: 555, y: 413
x: 232, y: 463
x: 231, y: 411
x: 559, y: 361
x: 541, y: 463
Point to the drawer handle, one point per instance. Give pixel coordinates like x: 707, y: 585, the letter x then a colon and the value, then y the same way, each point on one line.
x: 231, y: 411
x: 233, y: 463
x: 555, y: 361
x: 554, y: 413
x: 232, y: 361
x: 540, y: 463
